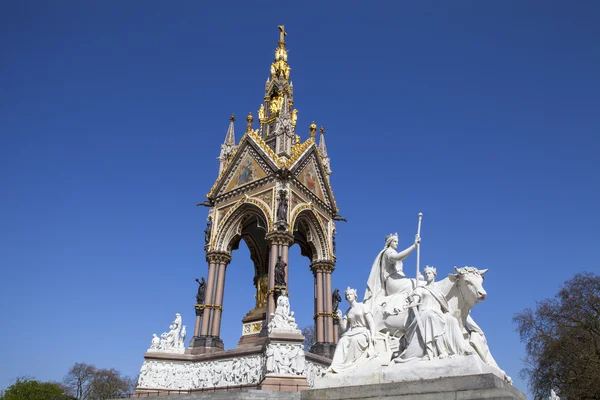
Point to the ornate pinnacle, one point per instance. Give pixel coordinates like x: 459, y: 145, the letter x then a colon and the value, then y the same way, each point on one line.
x: 249, y: 121
x: 280, y: 68
x: 313, y: 129
x: 322, y: 130
x: 232, y: 118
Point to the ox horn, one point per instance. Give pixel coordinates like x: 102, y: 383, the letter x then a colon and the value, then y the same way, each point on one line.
x: 456, y: 270
x: 482, y: 271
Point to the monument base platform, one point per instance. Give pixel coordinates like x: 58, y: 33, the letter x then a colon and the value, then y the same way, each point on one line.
x: 468, y: 387
x: 372, y: 372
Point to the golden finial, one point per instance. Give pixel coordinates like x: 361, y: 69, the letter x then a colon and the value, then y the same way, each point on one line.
x: 249, y: 120
x: 232, y: 118
x: 280, y: 67
x: 313, y: 129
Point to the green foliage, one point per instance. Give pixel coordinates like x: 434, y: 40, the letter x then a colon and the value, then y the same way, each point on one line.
x: 30, y: 389
x: 562, y: 339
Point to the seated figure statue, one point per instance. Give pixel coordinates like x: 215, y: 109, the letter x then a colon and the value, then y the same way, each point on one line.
x: 356, y: 343
x: 282, y: 319
x: 434, y: 333
x: 387, y: 273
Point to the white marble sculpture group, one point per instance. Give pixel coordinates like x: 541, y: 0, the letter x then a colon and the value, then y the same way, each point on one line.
x: 403, y: 320
x: 282, y: 320
x: 172, y: 341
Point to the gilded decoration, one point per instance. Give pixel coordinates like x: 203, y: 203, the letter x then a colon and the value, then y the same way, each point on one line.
x: 248, y: 170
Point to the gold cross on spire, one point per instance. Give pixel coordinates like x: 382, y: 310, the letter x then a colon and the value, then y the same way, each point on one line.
x: 282, y: 33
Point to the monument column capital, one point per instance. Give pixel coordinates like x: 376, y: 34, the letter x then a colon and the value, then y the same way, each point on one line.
x: 218, y: 257
x: 283, y: 238
x: 326, y: 266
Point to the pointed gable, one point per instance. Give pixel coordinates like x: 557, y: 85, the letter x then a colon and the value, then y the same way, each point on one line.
x: 248, y: 164
x: 248, y: 170
x: 310, y: 177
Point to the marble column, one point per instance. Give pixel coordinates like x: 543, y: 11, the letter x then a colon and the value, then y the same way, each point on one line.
x: 328, y: 306
x: 326, y: 339
x: 210, y: 284
x: 319, y: 310
x: 270, y: 294
x: 218, y: 304
x: 285, y: 256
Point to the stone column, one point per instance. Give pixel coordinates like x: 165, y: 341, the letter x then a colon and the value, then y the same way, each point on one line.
x: 270, y: 297
x: 325, y: 344
x: 328, y: 305
x: 285, y: 256
x: 336, y: 331
x: 220, y: 289
x: 208, y: 340
x: 318, y: 272
x: 210, y: 285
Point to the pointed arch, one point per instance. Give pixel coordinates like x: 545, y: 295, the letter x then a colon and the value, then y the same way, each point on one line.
x: 231, y: 226
x: 309, y: 233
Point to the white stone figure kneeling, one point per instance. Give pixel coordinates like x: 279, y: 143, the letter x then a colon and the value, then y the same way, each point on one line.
x: 282, y: 320
x: 434, y: 333
x: 357, y: 341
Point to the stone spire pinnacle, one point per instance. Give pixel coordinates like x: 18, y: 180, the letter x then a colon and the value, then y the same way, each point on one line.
x: 323, y: 152
x: 284, y: 130
x: 228, y: 146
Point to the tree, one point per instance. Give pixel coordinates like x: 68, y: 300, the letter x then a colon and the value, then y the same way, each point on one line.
x: 309, y: 337
x: 86, y: 382
x: 108, y: 383
x: 30, y: 389
x: 562, y: 339
x: 78, y: 379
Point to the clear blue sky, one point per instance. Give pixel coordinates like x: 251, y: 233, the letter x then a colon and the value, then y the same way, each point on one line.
x: 484, y: 116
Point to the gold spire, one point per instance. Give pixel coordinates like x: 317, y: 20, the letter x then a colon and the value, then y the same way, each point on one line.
x: 280, y: 67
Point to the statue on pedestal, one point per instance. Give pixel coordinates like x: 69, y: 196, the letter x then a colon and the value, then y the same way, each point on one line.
x: 280, y: 272
x: 207, y: 231
x: 282, y: 207
x: 201, y: 291
x: 336, y: 299
x: 283, y: 319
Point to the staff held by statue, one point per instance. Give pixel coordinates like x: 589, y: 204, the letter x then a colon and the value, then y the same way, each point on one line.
x: 418, y: 249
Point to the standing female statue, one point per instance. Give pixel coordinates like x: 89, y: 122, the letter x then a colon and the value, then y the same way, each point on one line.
x: 356, y: 343
x: 387, y: 275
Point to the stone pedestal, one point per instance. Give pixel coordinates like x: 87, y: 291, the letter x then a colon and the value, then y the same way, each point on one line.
x: 252, y: 325
x: 285, y: 364
x: 205, y: 345
x: 323, y: 349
